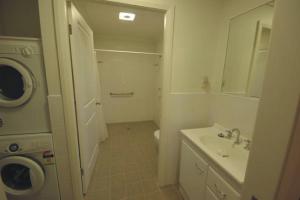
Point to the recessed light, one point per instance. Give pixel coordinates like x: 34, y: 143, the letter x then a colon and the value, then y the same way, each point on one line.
x: 126, y: 16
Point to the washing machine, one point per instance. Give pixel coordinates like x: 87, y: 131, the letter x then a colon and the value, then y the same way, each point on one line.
x: 23, y: 88
x: 27, y: 167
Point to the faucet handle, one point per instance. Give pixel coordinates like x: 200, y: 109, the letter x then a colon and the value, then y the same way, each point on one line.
x: 229, y: 134
x: 248, y: 144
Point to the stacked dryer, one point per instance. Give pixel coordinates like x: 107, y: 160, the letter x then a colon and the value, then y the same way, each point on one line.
x: 26, y: 150
x: 23, y: 88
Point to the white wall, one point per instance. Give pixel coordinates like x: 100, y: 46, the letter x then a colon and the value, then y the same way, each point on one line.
x: 185, y: 105
x: 234, y: 112
x: 122, y: 73
x: 124, y: 43
x: 19, y: 18
x: 229, y: 110
x: 277, y: 111
x: 195, y: 33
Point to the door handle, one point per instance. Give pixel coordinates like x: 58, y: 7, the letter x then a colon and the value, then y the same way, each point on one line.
x: 220, y: 193
x: 98, y: 104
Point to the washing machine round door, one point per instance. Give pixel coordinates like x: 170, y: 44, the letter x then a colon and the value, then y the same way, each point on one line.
x: 16, y: 83
x: 21, y: 175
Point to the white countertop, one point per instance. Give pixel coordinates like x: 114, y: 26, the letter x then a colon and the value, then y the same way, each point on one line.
x: 208, y: 141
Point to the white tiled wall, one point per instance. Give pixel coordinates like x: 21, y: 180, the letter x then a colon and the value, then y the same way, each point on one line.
x: 122, y: 73
x: 234, y: 112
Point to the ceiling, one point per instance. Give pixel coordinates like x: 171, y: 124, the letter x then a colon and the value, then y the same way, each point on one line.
x: 104, y: 20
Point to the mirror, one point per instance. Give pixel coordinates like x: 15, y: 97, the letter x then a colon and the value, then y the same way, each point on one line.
x: 247, y: 51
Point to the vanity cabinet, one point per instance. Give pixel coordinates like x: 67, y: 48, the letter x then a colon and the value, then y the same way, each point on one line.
x: 193, y: 173
x: 220, y: 187
x: 199, y: 181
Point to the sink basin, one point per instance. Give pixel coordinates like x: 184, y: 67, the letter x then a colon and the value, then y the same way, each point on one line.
x: 231, y: 157
x: 220, y: 146
x: 224, y: 147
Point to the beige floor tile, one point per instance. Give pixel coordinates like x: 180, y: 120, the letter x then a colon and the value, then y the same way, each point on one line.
x: 133, y: 176
x: 100, y: 183
x: 154, y: 196
x: 134, y: 189
x: 99, y: 194
x: 118, y: 192
x: 150, y: 186
x: 127, y: 166
x: 149, y: 173
x: 170, y: 193
x: 101, y: 171
x: 117, y: 180
x: 137, y: 197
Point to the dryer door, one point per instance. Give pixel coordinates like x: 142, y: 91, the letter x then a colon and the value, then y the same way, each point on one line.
x: 21, y: 175
x: 16, y: 84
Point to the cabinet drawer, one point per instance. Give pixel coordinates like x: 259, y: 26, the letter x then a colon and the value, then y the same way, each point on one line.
x: 220, y: 187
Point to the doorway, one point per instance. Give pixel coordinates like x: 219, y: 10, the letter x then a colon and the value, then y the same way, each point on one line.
x: 130, y: 65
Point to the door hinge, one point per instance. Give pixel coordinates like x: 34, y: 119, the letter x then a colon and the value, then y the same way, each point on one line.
x: 81, y: 171
x: 70, y: 29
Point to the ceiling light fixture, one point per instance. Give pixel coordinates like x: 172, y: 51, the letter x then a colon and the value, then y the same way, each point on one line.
x: 126, y: 16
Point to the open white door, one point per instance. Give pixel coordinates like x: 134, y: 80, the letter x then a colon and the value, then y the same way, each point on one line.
x: 85, y: 86
x: 103, y: 134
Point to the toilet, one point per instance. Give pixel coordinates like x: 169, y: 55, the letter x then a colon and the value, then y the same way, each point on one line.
x: 156, y: 138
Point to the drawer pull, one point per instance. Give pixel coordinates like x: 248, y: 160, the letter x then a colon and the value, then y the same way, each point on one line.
x: 220, y: 194
x: 199, y: 169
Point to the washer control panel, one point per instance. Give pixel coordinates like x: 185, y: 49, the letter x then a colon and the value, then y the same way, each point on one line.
x: 25, y: 144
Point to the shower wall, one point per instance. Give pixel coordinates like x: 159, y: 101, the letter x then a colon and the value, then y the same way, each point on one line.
x: 125, y: 73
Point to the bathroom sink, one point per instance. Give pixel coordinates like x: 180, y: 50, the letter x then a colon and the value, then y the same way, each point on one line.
x: 223, y: 147
x: 231, y: 157
x: 220, y: 146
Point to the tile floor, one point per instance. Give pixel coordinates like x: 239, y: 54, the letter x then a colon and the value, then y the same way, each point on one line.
x: 127, y: 166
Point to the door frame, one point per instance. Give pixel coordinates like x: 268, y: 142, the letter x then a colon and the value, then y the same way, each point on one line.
x: 65, y: 73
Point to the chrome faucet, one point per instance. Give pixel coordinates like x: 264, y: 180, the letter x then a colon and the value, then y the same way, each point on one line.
x: 248, y: 144
x: 238, y: 135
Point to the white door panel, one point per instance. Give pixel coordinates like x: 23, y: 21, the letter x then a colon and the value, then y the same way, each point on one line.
x: 103, y: 129
x: 85, y: 86
x: 103, y: 134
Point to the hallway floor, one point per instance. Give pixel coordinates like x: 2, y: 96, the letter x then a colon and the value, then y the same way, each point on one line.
x: 127, y: 166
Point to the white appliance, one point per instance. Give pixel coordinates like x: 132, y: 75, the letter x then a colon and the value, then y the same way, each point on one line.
x: 23, y: 90
x: 27, y: 167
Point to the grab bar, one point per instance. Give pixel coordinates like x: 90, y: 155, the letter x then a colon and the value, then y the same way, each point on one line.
x: 126, y: 94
